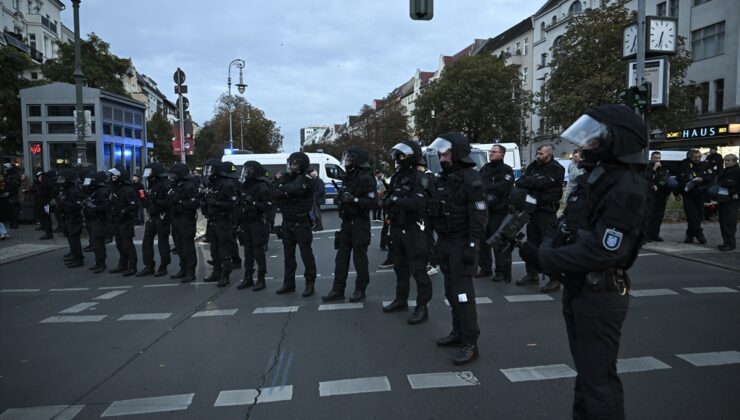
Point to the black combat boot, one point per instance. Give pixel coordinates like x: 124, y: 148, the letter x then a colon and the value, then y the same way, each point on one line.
x: 357, y: 296
x: 180, y: 274
x: 260, y: 283
x: 483, y: 273
x: 224, y: 281
x: 161, y: 271
x: 308, y: 290
x: 75, y: 263
x: 215, y: 276
x: 396, y: 305
x: 701, y: 238
x: 285, y: 288
x: 130, y: 272
x: 466, y: 354
x: 333, y: 296
x: 501, y: 277
x: 118, y: 269
x: 452, y: 340
x: 99, y: 269
x: 419, y: 315
x: 246, y: 282
x: 147, y: 271
x: 68, y: 256
x: 530, y: 278
x: 551, y: 286
x: 189, y: 276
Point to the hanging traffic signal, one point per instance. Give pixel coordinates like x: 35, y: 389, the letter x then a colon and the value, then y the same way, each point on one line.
x: 421, y: 9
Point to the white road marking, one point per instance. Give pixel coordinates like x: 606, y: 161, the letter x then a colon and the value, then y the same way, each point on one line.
x: 538, y: 373
x: 162, y: 285
x: 528, y: 298
x: 300, y: 276
x: 354, y: 386
x: 111, y: 295
x: 73, y: 318
x: 442, y: 380
x: 640, y: 364
x: 78, y: 308
x: 703, y: 290
x: 56, y: 412
x: 410, y: 302
x: 145, y: 317
x: 70, y: 289
x: 215, y: 312
x: 276, y: 309
x: 149, y: 405
x: 384, y: 270
x: 246, y: 396
x: 652, y: 292
x: 114, y: 287
x: 712, y: 359
x: 19, y: 290
x: 478, y: 301
x: 338, y: 306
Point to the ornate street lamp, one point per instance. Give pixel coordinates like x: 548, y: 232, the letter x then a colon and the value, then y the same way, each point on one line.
x: 240, y: 87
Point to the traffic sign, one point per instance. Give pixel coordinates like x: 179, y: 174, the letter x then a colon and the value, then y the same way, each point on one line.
x: 179, y: 76
x: 181, y: 89
x: 185, y: 103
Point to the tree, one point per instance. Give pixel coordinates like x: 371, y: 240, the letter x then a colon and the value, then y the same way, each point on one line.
x: 102, y: 68
x: 261, y: 135
x: 474, y: 96
x: 587, y: 70
x: 14, y: 63
x: 159, y: 132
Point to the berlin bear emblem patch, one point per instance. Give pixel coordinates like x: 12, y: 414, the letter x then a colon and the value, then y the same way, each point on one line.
x: 612, y: 239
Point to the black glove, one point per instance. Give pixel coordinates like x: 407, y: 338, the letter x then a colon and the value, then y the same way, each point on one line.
x: 530, y: 254
x: 347, y: 197
x: 470, y: 251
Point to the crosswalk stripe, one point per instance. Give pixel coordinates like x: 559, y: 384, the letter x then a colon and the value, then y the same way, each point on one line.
x: 215, y: 312
x: 704, y: 290
x: 78, y: 308
x: 528, y: 298
x: 149, y: 405
x: 339, y: 306
x: 114, y: 287
x: 73, y: 318
x: 247, y: 396
x: 162, y: 285
x: 276, y: 309
x: 410, y: 302
x: 111, y: 295
x: 70, y: 289
x: 538, y: 373
x: 442, y: 380
x: 712, y: 359
x: 354, y: 386
x: 145, y: 317
x: 640, y: 364
x: 56, y: 412
x: 652, y: 292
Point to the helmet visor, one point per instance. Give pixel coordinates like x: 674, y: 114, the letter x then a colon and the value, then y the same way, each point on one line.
x: 401, y: 151
x: 441, y: 145
x: 349, y: 160
x: 147, y: 172
x: 584, y: 129
x: 247, y: 172
x: 294, y: 166
x: 61, y: 179
x: 209, y: 170
x: 87, y: 182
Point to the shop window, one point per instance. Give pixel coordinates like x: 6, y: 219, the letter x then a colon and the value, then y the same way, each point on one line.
x: 117, y: 154
x: 107, y: 156
x: 65, y: 154
x: 128, y: 156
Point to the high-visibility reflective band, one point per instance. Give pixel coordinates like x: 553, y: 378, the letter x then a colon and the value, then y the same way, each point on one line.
x: 584, y: 129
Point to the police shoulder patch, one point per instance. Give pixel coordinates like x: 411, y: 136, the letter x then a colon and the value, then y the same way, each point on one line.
x: 612, y: 239
x: 480, y: 205
x: 507, y: 177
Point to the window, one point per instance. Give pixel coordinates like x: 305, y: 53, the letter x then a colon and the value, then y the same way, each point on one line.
x: 719, y: 95
x: 525, y: 75
x: 518, y: 50
x: 708, y: 41
x: 34, y: 128
x: 542, y: 30
x: 334, y: 171
x: 138, y: 118
x: 16, y: 4
x: 128, y: 132
x: 32, y: 40
x: 34, y: 110
x: 660, y: 10
x: 575, y: 8
x: 673, y: 8
x: 107, y: 164
x: 704, y: 96
x: 129, y: 117
x: 90, y: 108
x: 34, y: 75
x: 556, y: 45
x: 543, y: 60
x: 117, y: 114
x: 63, y: 154
x: 107, y: 129
x: 60, y: 110
x: 137, y: 134
x: 60, y: 128
x: 118, y: 131
x: 526, y: 41
x: 107, y: 112
x: 542, y: 126
x: 700, y: 2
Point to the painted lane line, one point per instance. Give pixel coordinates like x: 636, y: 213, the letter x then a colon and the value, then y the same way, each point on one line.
x: 652, y: 292
x: 410, y: 302
x: 215, y: 312
x: 528, y: 298
x: 19, y: 290
x: 354, y: 386
x: 704, y: 290
x: 114, y: 287
x: 442, y: 380
x: 300, y: 276
x: 339, y: 306
x: 70, y: 289
x: 162, y: 285
x: 539, y: 373
x: 640, y: 364
x: 276, y: 309
x: 384, y: 271
x: 149, y: 405
x: 73, y: 318
x: 246, y: 396
x: 145, y: 317
x: 79, y: 308
x: 712, y: 359
x: 111, y: 295
x: 478, y: 301
x: 56, y: 412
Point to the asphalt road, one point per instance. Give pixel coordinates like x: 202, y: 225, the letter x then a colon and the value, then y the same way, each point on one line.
x: 82, y: 346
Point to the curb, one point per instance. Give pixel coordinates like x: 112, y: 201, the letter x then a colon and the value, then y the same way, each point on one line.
x: 20, y: 257
x: 697, y: 260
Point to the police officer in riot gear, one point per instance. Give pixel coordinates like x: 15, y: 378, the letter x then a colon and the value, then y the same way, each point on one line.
x: 406, y: 204
x: 294, y: 195
x: 254, y: 205
x: 498, y: 181
x: 597, y: 241
x: 355, y: 199
x: 71, y: 200
x: 220, y: 210
x: 459, y: 213
x: 692, y: 177
x: 97, y: 212
x: 124, y: 210
x: 182, y: 204
x: 158, y: 222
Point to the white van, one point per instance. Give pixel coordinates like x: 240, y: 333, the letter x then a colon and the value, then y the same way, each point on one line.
x: 512, y: 157
x: 328, y: 167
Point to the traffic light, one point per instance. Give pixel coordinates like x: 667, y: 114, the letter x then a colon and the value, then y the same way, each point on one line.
x: 637, y: 97
x: 421, y: 9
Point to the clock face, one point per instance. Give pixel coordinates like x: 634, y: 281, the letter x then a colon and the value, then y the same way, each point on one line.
x: 629, y: 41
x: 662, y: 35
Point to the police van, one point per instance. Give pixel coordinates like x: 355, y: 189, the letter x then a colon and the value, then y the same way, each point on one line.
x: 327, y: 166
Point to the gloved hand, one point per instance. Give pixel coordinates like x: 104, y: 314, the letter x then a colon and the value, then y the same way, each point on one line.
x: 530, y: 254
x: 90, y: 204
x: 470, y: 251
x: 347, y: 197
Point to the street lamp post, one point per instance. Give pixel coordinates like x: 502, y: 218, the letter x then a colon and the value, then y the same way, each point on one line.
x: 240, y: 86
x: 433, y: 137
x: 81, y: 148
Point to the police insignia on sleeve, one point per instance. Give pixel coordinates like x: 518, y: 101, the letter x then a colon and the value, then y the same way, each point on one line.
x: 612, y: 239
x: 480, y: 205
x: 507, y: 177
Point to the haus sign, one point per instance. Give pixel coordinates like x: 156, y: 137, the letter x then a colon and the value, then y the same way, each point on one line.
x: 700, y: 132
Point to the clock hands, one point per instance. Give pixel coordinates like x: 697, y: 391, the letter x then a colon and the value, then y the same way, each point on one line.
x: 660, y: 40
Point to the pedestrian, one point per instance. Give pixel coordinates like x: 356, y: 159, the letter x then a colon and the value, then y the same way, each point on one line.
x: 460, y: 214
x: 319, y: 199
x: 658, y: 177
x: 5, y: 208
x: 498, y: 181
x: 44, y: 194
x: 220, y: 210
x: 406, y: 203
x: 693, y: 177
x: 294, y: 195
x: 729, y: 179
x: 714, y: 159
x: 13, y: 182
x: 543, y: 179
x: 26, y: 197
x: 182, y: 205
x: 432, y: 266
x: 573, y: 172
x: 158, y: 222
x: 355, y: 199
x: 254, y: 206
x: 141, y: 193
x: 379, y: 189
x: 71, y: 201
x: 97, y: 213
x: 124, y: 207
x: 274, y: 181
x: 606, y: 217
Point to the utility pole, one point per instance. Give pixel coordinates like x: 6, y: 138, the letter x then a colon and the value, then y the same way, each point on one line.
x: 81, y: 147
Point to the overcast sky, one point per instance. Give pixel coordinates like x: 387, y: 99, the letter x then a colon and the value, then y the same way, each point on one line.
x: 307, y: 61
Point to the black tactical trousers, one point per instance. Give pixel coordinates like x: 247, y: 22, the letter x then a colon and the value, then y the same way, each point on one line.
x: 98, y: 233
x: 74, y: 230
x: 353, y: 238
x: 656, y: 217
x: 156, y: 227
x: 123, y: 233
x: 538, y: 223
x: 503, y: 258
x: 183, y: 233
x: 45, y: 220
x: 300, y: 234
x: 459, y: 289
x: 693, y: 207
x: 410, y: 259
x: 220, y: 233
x: 254, y: 237
x: 594, y: 320
x: 728, y: 221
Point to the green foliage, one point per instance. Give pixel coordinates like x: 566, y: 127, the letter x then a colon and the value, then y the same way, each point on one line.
x: 159, y: 132
x: 102, y: 69
x: 12, y: 65
x: 474, y: 96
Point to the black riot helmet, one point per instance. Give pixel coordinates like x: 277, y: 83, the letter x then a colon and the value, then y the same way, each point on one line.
x: 118, y: 174
x: 355, y: 157
x: 179, y: 171
x: 67, y: 176
x: 252, y: 170
x: 154, y: 170
x: 228, y: 170
x: 211, y: 168
x: 100, y: 179
x: 51, y: 175
x: 607, y: 133
x: 406, y: 153
x: 298, y: 163
x: 455, y: 144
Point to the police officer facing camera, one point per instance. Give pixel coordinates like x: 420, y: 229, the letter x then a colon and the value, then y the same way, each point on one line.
x: 604, y: 222
x: 355, y: 199
x: 71, y: 200
x: 182, y: 204
x: 97, y: 211
x: 498, y: 181
x: 254, y: 206
x: 405, y: 203
x: 459, y: 213
x: 125, y: 208
x: 220, y: 209
x: 693, y: 176
x: 294, y: 194
x: 158, y: 223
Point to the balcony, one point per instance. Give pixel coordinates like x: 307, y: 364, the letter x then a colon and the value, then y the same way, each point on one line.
x: 36, y: 55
